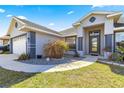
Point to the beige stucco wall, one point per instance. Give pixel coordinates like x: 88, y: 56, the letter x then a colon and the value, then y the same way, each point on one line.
x: 42, y: 39
x: 109, y: 27
x: 86, y: 39
x: 15, y: 31
x: 100, y: 19
x: 79, y: 30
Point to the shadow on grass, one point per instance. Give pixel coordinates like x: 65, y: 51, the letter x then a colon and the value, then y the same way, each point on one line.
x: 115, y: 69
x: 9, y: 78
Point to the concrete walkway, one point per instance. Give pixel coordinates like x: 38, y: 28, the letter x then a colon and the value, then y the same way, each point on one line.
x: 7, y: 62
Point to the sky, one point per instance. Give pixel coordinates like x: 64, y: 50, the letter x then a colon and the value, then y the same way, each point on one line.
x: 56, y: 17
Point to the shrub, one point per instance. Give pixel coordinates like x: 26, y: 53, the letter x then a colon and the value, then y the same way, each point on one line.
x: 6, y: 48
x: 55, y: 49
x: 120, y: 51
x: 23, y: 57
x: 118, y: 56
x: 76, y: 54
x: 114, y: 57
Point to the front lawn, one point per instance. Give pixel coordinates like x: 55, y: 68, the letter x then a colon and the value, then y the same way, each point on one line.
x: 95, y: 75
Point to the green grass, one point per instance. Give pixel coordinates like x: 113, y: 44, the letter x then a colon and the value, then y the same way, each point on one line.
x: 95, y: 75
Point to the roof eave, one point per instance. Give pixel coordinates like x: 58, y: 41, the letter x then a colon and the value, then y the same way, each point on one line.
x: 76, y: 24
x: 39, y: 30
x: 114, y: 14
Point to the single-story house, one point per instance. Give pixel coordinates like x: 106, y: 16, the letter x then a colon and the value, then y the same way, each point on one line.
x: 89, y: 35
x: 4, y: 40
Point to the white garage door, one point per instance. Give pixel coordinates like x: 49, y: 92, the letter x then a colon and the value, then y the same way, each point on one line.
x: 19, y: 45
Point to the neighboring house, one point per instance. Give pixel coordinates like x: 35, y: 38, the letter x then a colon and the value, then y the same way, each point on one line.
x: 89, y: 35
x: 1, y: 42
x: 4, y: 40
x: 30, y: 38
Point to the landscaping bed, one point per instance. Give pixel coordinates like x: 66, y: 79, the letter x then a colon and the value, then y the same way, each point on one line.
x: 52, y: 61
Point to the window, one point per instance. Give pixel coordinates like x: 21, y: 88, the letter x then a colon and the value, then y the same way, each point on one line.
x: 80, y: 43
x: 108, y: 42
x: 71, y: 42
x: 92, y: 19
x: 16, y: 25
x: 119, y: 39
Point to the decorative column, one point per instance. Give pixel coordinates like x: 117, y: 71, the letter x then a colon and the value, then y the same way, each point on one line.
x: 80, y: 39
x: 109, y: 34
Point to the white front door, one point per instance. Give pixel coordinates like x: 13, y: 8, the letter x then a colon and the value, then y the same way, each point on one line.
x: 19, y: 45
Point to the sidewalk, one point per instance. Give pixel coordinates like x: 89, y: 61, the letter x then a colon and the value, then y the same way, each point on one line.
x: 7, y: 62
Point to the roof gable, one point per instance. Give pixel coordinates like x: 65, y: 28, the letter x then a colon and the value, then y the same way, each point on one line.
x: 103, y: 13
x: 12, y: 25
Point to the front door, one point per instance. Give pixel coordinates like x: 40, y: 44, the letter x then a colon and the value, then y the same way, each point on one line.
x: 94, y: 42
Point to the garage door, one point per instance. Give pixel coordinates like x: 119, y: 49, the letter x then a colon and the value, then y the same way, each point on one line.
x: 19, y: 45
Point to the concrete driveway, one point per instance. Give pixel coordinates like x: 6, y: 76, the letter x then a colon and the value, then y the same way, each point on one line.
x: 7, y: 62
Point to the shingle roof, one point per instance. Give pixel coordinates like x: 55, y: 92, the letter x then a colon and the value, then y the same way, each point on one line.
x: 31, y: 24
x: 68, y: 32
